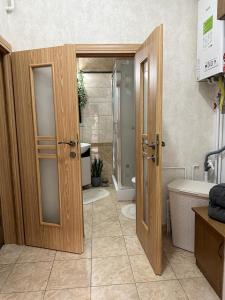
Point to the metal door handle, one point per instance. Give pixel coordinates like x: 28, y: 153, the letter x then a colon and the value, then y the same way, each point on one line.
x: 70, y: 143
x: 145, y: 155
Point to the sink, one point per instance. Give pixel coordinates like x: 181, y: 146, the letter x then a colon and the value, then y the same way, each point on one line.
x: 84, y: 147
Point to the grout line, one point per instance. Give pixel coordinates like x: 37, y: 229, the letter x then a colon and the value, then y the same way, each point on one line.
x: 49, y: 274
x: 183, y: 289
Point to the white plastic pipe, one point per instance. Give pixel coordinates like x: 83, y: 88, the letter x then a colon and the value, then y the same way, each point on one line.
x: 206, y: 175
x: 10, y: 5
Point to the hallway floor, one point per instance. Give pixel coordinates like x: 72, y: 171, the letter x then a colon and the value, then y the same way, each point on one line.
x: 113, y: 266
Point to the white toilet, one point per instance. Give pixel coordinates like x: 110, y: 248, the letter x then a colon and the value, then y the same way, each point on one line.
x: 129, y: 210
x: 183, y: 195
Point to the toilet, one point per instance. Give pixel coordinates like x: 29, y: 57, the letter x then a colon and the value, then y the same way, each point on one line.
x: 183, y: 195
x: 129, y: 210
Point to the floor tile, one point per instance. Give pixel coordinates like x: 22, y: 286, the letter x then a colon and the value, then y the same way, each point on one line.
x: 128, y: 226
x: 68, y: 256
x: 5, y: 270
x: 10, y: 253
x: 115, y: 292
x: 111, y: 270
x: 180, y: 256
x: 88, y: 230
x: 161, y: 290
x: 33, y: 254
x: 143, y: 271
x: 198, y: 288
x: 186, y: 270
x: 108, y: 215
x: 68, y: 294
x: 70, y: 274
x: 28, y: 277
x: 133, y: 245
x: 108, y: 246
x: 23, y: 296
x: 107, y: 228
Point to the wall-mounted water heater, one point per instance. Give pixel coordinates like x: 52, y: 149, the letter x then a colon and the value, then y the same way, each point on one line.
x: 211, y: 41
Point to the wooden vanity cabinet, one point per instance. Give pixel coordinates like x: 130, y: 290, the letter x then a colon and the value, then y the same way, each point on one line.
x: 221, y: 10
x: 209, y: 248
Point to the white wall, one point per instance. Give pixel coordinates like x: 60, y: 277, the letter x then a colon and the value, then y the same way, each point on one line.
x: 4, y: 30
x: 187, y: 114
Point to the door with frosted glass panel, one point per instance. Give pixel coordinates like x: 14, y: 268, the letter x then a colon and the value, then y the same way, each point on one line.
x: 49, y: 154
x: 148, y: 70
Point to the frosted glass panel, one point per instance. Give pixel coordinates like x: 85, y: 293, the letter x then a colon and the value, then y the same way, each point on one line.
x: 49, y: 190
x: 44, y: 102
x: 145, y: 96
x: 145, y: 129
x: 124, y: 122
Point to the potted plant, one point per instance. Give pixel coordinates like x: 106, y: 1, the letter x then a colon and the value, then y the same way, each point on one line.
x: 82, y: 93
x: 96, y: 171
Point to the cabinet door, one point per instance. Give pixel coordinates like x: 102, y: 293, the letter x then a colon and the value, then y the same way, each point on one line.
x: 221, y: 10
x: 209, y: 253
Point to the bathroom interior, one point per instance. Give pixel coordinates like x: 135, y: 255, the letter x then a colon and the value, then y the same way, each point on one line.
x: 112, y: 179
x: 107, y: 127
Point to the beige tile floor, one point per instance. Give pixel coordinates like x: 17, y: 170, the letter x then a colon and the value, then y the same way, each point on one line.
x: 112, y: 267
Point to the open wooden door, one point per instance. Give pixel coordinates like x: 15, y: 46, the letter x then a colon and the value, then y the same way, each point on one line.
x: 49, y: 153
x: 148, y: 69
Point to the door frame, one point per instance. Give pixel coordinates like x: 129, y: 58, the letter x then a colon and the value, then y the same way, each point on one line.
x: 12, y: 215
x: 15, y: 229
x: 12, y: 211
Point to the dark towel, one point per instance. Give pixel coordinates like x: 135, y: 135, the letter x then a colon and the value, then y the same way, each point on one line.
x: 217, y: 213
x: 217, y: 196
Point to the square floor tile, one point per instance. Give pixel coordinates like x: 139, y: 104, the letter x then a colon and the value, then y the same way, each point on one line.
x: 10, y: 253
x: 186, y: 270
x: 108, y: 246
x: 107, y: 228
x: 70, y: 274
x: 68, y: 256
x: 162, y: 290
x: 34, y: 254
x: 128, y: 226
x: 115, y: 292
x: 143, y: 271
x: 68, y: 294
x: 111, y: 270
x: 23, y: 296
x: 133, y: 245
x: 181, y: 256
x: 5, y: 270
x: 28, y: 277
x: 198, y: 288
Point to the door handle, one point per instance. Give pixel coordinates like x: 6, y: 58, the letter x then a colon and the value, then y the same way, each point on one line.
x: 70, y: 143
x: 152, y: 157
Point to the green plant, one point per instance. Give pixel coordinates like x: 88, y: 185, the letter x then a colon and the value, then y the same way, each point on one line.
x: 82, y: 93
x: 96, y: 168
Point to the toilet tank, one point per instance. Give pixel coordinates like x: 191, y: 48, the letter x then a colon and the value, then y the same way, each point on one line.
x: 183, y: 195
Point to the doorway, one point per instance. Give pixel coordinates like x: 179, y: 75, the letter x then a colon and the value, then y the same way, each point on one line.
x: 106, y: 102
x: 50, y: 155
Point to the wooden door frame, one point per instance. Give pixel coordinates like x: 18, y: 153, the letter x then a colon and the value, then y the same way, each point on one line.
x: 12, y: 215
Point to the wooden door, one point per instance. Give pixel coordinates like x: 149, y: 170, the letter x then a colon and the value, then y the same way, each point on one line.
x: 48, y: 141
x: 221, y: 10
x: 148, y: 70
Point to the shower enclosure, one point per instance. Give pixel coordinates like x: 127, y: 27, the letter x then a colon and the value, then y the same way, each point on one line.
x: 123, y: 128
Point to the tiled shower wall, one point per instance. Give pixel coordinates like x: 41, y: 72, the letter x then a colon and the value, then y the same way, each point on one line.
x: 97, y: 120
